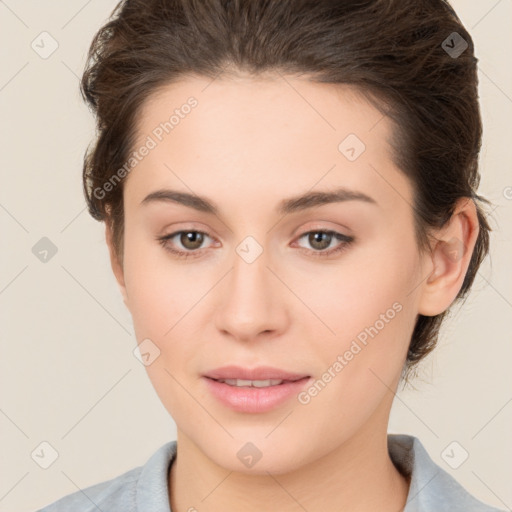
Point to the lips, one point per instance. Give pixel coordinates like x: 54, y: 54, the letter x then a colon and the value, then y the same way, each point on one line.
x: 256, y: 390
x: 261, y: 373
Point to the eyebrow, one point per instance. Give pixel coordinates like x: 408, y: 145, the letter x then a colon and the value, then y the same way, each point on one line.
x: 286, y: 206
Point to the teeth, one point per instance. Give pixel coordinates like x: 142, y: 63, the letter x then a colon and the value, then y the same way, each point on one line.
x: 251, y: 383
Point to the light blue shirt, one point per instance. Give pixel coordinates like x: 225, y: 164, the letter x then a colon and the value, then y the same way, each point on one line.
x: 145, y: 488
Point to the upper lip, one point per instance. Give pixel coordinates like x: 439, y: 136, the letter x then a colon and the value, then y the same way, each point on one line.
x: 259, y: 373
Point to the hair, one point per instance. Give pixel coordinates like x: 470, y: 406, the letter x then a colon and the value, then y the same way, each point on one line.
x: 394, y: 52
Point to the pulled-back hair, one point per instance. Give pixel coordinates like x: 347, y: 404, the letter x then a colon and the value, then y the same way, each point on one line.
x: 413, y: 59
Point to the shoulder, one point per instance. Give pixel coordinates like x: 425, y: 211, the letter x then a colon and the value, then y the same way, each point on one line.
x: 144, y: 486
x: 432, y: 489
x: 119, y: 491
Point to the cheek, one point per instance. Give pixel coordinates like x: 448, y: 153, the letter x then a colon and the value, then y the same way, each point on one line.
x: 161, y: 298
x: 158, y: 292
x: 365, y: 287
x: 371, y: 310
x: 167, y: 301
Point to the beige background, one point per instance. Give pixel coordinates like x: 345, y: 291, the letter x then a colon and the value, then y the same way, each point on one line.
x: 68, y: 375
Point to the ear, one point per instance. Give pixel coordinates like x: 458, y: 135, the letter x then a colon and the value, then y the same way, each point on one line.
x: 450, y: 258
x: 117, y: 268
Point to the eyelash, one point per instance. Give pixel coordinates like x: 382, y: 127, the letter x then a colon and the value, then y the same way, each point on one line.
x: 346, y: 241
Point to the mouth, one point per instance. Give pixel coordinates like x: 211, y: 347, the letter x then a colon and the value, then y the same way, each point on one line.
x: 254, y: 391
x: 242, y: 383
x: 262, y: 374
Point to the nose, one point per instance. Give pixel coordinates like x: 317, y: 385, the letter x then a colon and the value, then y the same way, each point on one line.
x: 251, y: 301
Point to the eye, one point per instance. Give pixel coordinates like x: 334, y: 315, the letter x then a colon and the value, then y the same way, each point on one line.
x: 191, y: 240
x: 321, y: 239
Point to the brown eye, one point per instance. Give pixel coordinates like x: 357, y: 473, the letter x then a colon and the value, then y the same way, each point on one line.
x: 184, y: 243
x: 319, y: 240
x: 191, y: 239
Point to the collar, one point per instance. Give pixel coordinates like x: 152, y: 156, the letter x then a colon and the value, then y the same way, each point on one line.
x: 431, y: 488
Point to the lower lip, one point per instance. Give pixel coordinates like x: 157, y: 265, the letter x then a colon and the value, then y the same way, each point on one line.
x: 252, y: 399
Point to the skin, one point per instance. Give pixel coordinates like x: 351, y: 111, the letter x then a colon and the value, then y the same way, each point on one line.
x: 250, y: 143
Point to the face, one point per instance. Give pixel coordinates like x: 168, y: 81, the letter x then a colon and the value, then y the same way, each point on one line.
x: 324, y: 290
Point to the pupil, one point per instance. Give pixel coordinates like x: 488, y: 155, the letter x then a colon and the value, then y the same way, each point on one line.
x: 193, y: 237
x: 317, y: 237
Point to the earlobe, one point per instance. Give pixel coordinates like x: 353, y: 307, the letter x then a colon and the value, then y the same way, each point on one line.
x: 117, y: 268
x: 451, y: 254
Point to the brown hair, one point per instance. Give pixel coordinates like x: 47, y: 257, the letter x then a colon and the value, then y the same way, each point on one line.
x: 402, y: 54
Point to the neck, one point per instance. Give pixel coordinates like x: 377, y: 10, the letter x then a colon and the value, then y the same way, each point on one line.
x: 358, y: 476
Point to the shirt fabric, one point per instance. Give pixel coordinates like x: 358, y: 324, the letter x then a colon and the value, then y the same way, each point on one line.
x: 145, y: 488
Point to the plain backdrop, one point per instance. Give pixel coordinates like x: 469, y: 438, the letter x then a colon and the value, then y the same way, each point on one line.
x: 68, y: 375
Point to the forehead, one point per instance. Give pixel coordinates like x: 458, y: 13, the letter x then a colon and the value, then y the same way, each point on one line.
x: 246, y: 106
x: 266, y: 133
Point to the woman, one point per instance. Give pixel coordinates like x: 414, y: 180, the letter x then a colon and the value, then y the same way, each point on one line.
x: 289, y: 194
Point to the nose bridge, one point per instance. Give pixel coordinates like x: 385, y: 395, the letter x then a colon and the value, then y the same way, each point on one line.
x: 250, y: 302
